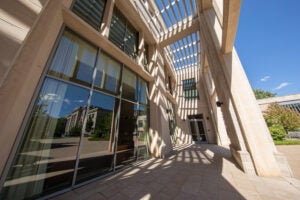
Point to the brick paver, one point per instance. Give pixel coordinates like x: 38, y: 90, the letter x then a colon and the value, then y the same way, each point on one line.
x: 198, y: 171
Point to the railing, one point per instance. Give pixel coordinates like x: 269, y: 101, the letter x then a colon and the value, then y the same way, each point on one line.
x: 293, y: 135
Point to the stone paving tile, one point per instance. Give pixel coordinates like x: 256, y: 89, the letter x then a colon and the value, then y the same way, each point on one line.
x: 196, y: 172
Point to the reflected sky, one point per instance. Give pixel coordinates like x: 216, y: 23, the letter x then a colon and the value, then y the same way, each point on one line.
x: 60, y: 98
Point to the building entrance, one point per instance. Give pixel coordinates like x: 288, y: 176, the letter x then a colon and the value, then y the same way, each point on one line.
x: 197, y: 128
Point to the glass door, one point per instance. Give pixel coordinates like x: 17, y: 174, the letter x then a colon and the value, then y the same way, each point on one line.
x: 197, y: 130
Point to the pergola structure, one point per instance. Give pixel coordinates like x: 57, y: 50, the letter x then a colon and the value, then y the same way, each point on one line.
x: 201, y: 33
x: 181, y: 35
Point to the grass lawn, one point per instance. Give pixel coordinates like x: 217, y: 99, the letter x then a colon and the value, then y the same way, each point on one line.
x: 287, y: 142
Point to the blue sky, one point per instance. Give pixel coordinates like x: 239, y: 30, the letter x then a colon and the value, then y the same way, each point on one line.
x: 268, y: 44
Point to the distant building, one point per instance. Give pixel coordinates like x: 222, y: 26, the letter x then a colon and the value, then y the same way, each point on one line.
x: 288, y: 101
x: 76, y: 118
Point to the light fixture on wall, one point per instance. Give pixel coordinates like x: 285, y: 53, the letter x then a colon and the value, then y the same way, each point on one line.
x: 219, y: 103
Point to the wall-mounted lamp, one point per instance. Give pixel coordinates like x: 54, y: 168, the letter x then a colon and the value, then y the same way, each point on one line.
x: 219, y: 103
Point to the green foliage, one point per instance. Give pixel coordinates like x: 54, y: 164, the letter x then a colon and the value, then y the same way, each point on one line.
x: 277, y: 115
x: 75, y: 131
x: 287, y: 142
x: 89, y: 124
x: 277, y: 132
x: 60, y: 127
x: 261, y: 94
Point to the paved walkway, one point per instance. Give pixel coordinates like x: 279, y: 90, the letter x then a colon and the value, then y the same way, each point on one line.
x: 194, y: 172
x: 292, y: 153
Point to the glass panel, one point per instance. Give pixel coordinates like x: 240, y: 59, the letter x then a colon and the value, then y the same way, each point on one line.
x: 146, y: 57
x: 127, y: 129
x: 45, y: 160
x: 97, y: 154
x: 117, y: 29
x: 129, y: 85
x: 131, y: 41
x: 141, y: 137
x: 108, y: 73
x: 143, y: 93
x: 90, y: 11
x: 201, y: 131
x: 193, y: 130
x: 74, y: 59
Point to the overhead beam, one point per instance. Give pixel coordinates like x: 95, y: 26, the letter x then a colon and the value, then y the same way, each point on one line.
x: 203, y: 5
x: 231, y: 13
x: 179, y: 31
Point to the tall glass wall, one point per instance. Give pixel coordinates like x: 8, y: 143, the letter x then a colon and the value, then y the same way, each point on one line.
x: 90, y: 117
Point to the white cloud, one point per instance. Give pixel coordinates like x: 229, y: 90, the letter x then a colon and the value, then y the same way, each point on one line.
x: 79, y: 101
x: 67, y: 101
x: 282, y: 85
x: 265, y: 78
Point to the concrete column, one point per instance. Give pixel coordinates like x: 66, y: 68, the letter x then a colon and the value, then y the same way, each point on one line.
x: 160, y: 141
x: 241, y: 112
x: 105, y: 25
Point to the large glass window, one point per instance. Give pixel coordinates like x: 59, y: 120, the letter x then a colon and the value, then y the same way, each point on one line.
x: 146, y: 57
x: 45, y: 161
x: 129, y: 85
x: 189, y: 89
x: 97, y: 150
x: 90, y: 11
x: 74, y: 59
x: 141, y: 140
x: 117, y: 29
x: 143, y: 91
x: 76, y: 121
x: 123, y: 34
x: 108, y: 73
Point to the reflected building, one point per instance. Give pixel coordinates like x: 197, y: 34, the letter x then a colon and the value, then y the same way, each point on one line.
x: 76, y: 119
x: 89, y: 87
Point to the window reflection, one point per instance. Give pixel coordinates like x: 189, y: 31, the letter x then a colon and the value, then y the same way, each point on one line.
x: 46, y: 159
x: 96, y: 156
x: 127, y: 133
x: 141, y: 140
x: 108, y: 73
x: 71, y: 113
x: 143, y: 91
x: 129, y: 85
x: 74, y: 59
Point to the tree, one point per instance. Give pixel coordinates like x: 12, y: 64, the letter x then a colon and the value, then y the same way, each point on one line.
x: 89, y: 124
x: 277, y: 115
x: 261, y: 94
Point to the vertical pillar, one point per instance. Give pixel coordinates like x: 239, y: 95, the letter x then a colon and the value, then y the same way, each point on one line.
x: 160, y: 141
x: 105, y: 25
x: 241, y: 112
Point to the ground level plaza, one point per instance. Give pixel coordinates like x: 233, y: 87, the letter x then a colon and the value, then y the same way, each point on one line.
x: 192, y: 172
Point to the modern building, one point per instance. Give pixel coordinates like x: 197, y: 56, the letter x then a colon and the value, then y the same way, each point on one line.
x: 289, y: 101
x: 165, y: 72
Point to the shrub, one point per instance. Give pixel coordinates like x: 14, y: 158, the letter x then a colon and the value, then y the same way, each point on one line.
x: 277, y: 132
x: 75, y: 131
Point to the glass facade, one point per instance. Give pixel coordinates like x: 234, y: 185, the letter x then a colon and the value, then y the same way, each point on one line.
x: 91, y: 11
x: 123, y: 34
x: 82, y: 124
x: 189, y: 89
